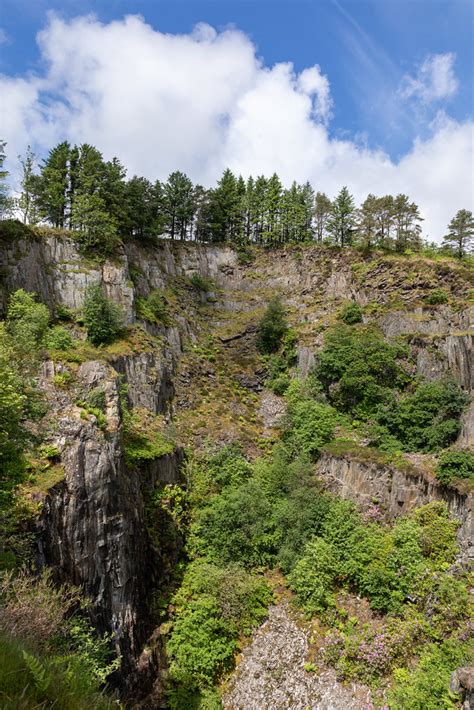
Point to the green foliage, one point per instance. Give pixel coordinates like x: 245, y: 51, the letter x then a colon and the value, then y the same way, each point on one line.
x: 351, y: 313
x: 427, y: 686
x: 358, y: 369
x: 153, y: 308
x: 271, y: 328
x: 311, y: 424
x: 27, y: 321
x: 436, y: 297
x: 213, y: 606
x: 455, y: 463
x: 427, y: 419
x: 58, y: 338
x: 314, y: 575
x: 49, y: 653
x: 13, y: 434
x: 143, y: 437
x: 102, y: 317
x: 235, y: 527
x: 201, y: 283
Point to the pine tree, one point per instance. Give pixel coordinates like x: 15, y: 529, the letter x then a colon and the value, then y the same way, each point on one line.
x: 5, y: 200
x: 322, y: 213
x: 385, y: 221
x: 272, y: 209
x: 53, y: 185
x: 460, y: 236
x: 223, y: 211
x: 341, y: 223
x: 367, y: 224
x: 27, y: 200
x: 178, y: 204
x: 406, y: 220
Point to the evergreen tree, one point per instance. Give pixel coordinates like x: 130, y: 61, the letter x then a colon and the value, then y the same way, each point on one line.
x: 385, y: 221
x: 322, y: 213
x: 27, y: 200
x: 259, y: 200
x: 53, y: 186
x: 113, y: 191
x: 406, y: 217
x: 223, y: 211
x: 367, y: 224
x: 5, y: 200
x: 341, y: 223
x: 141, y: 208
x: 460, y: 236
x: 272, y: 210
x: 178, y: 204
x: 98, y: 231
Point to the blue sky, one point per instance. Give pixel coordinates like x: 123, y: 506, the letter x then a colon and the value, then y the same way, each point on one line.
x: 363, y: 46
x: 379, y: 94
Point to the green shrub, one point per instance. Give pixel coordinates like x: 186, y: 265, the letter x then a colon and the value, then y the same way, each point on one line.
x: 455, y: 463
x: 153, y: 308
x: 27, y: 321
x: 213, y: 606
x: 313, y: 577
x: 427, y: 686
x: 351, y: 313
x: 311, y: 425
x: 279, y: 384
x: 58, y: 338
x: 102, y: 317
x: 271, y: 328
x: 436, y: 297
x: 202, y: 283
x: 427, y: 419
x: 359, y: 370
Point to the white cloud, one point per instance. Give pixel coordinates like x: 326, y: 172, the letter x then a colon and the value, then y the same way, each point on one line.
x: 204, y: 101
x: 434, y: 81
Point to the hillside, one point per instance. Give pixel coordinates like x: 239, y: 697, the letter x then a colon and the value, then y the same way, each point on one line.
x: 187, y: 474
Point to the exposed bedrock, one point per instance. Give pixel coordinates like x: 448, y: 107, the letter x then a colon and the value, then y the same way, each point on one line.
x: 396, y: 491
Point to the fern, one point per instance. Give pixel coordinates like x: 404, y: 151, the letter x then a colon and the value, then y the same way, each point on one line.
x: 40, y: 674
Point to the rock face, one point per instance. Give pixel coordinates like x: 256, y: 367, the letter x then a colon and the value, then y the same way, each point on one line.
x: 462, y: 682
x: 396, y: 491
x: 271, y: 673
x: 92, y: 528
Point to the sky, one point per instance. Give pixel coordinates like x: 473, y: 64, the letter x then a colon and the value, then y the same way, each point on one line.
x: 373, y: 94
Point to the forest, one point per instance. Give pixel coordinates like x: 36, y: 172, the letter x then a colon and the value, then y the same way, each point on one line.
x: 74, y: 188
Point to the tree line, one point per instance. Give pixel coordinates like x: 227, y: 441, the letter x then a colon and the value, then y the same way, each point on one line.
x: 75, y: 188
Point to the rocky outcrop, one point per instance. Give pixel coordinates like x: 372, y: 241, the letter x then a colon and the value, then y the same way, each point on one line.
x: 272, y: 674
x: 441, y: 340
x: 462, y: 682
x: 92, y: 529
x: 396, y: 491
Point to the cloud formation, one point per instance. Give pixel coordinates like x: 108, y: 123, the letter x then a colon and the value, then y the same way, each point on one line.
x: 204, y: 101
x: 434, y: 81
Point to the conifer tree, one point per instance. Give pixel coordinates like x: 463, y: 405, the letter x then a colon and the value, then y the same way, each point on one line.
x: 341, y: 223
x: 5, y: 200
x: 460, y: 236
x: 322, y: 213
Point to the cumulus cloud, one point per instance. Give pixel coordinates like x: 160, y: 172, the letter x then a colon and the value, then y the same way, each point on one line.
x: 434, y: 81
x: 204, y: 101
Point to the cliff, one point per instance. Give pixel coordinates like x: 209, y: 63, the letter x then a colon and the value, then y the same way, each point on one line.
x: 200, y: 372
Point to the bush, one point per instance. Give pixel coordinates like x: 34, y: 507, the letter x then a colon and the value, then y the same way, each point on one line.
x: 279, y: 384
x: 359, y: 370
x: 351, y: 313
x: 102, y: 317
x: 436, y: 297
x: 271, y: 328
x: 213, y: 606
x: 427, y: 419
x: 153, y: 308
x: 455, y: 463
x: 201, y: 283
x: 311, y: 425
x: 427, y: 686
x: 27, y: 321
x: 58, y: 338
x: 313, y: 577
